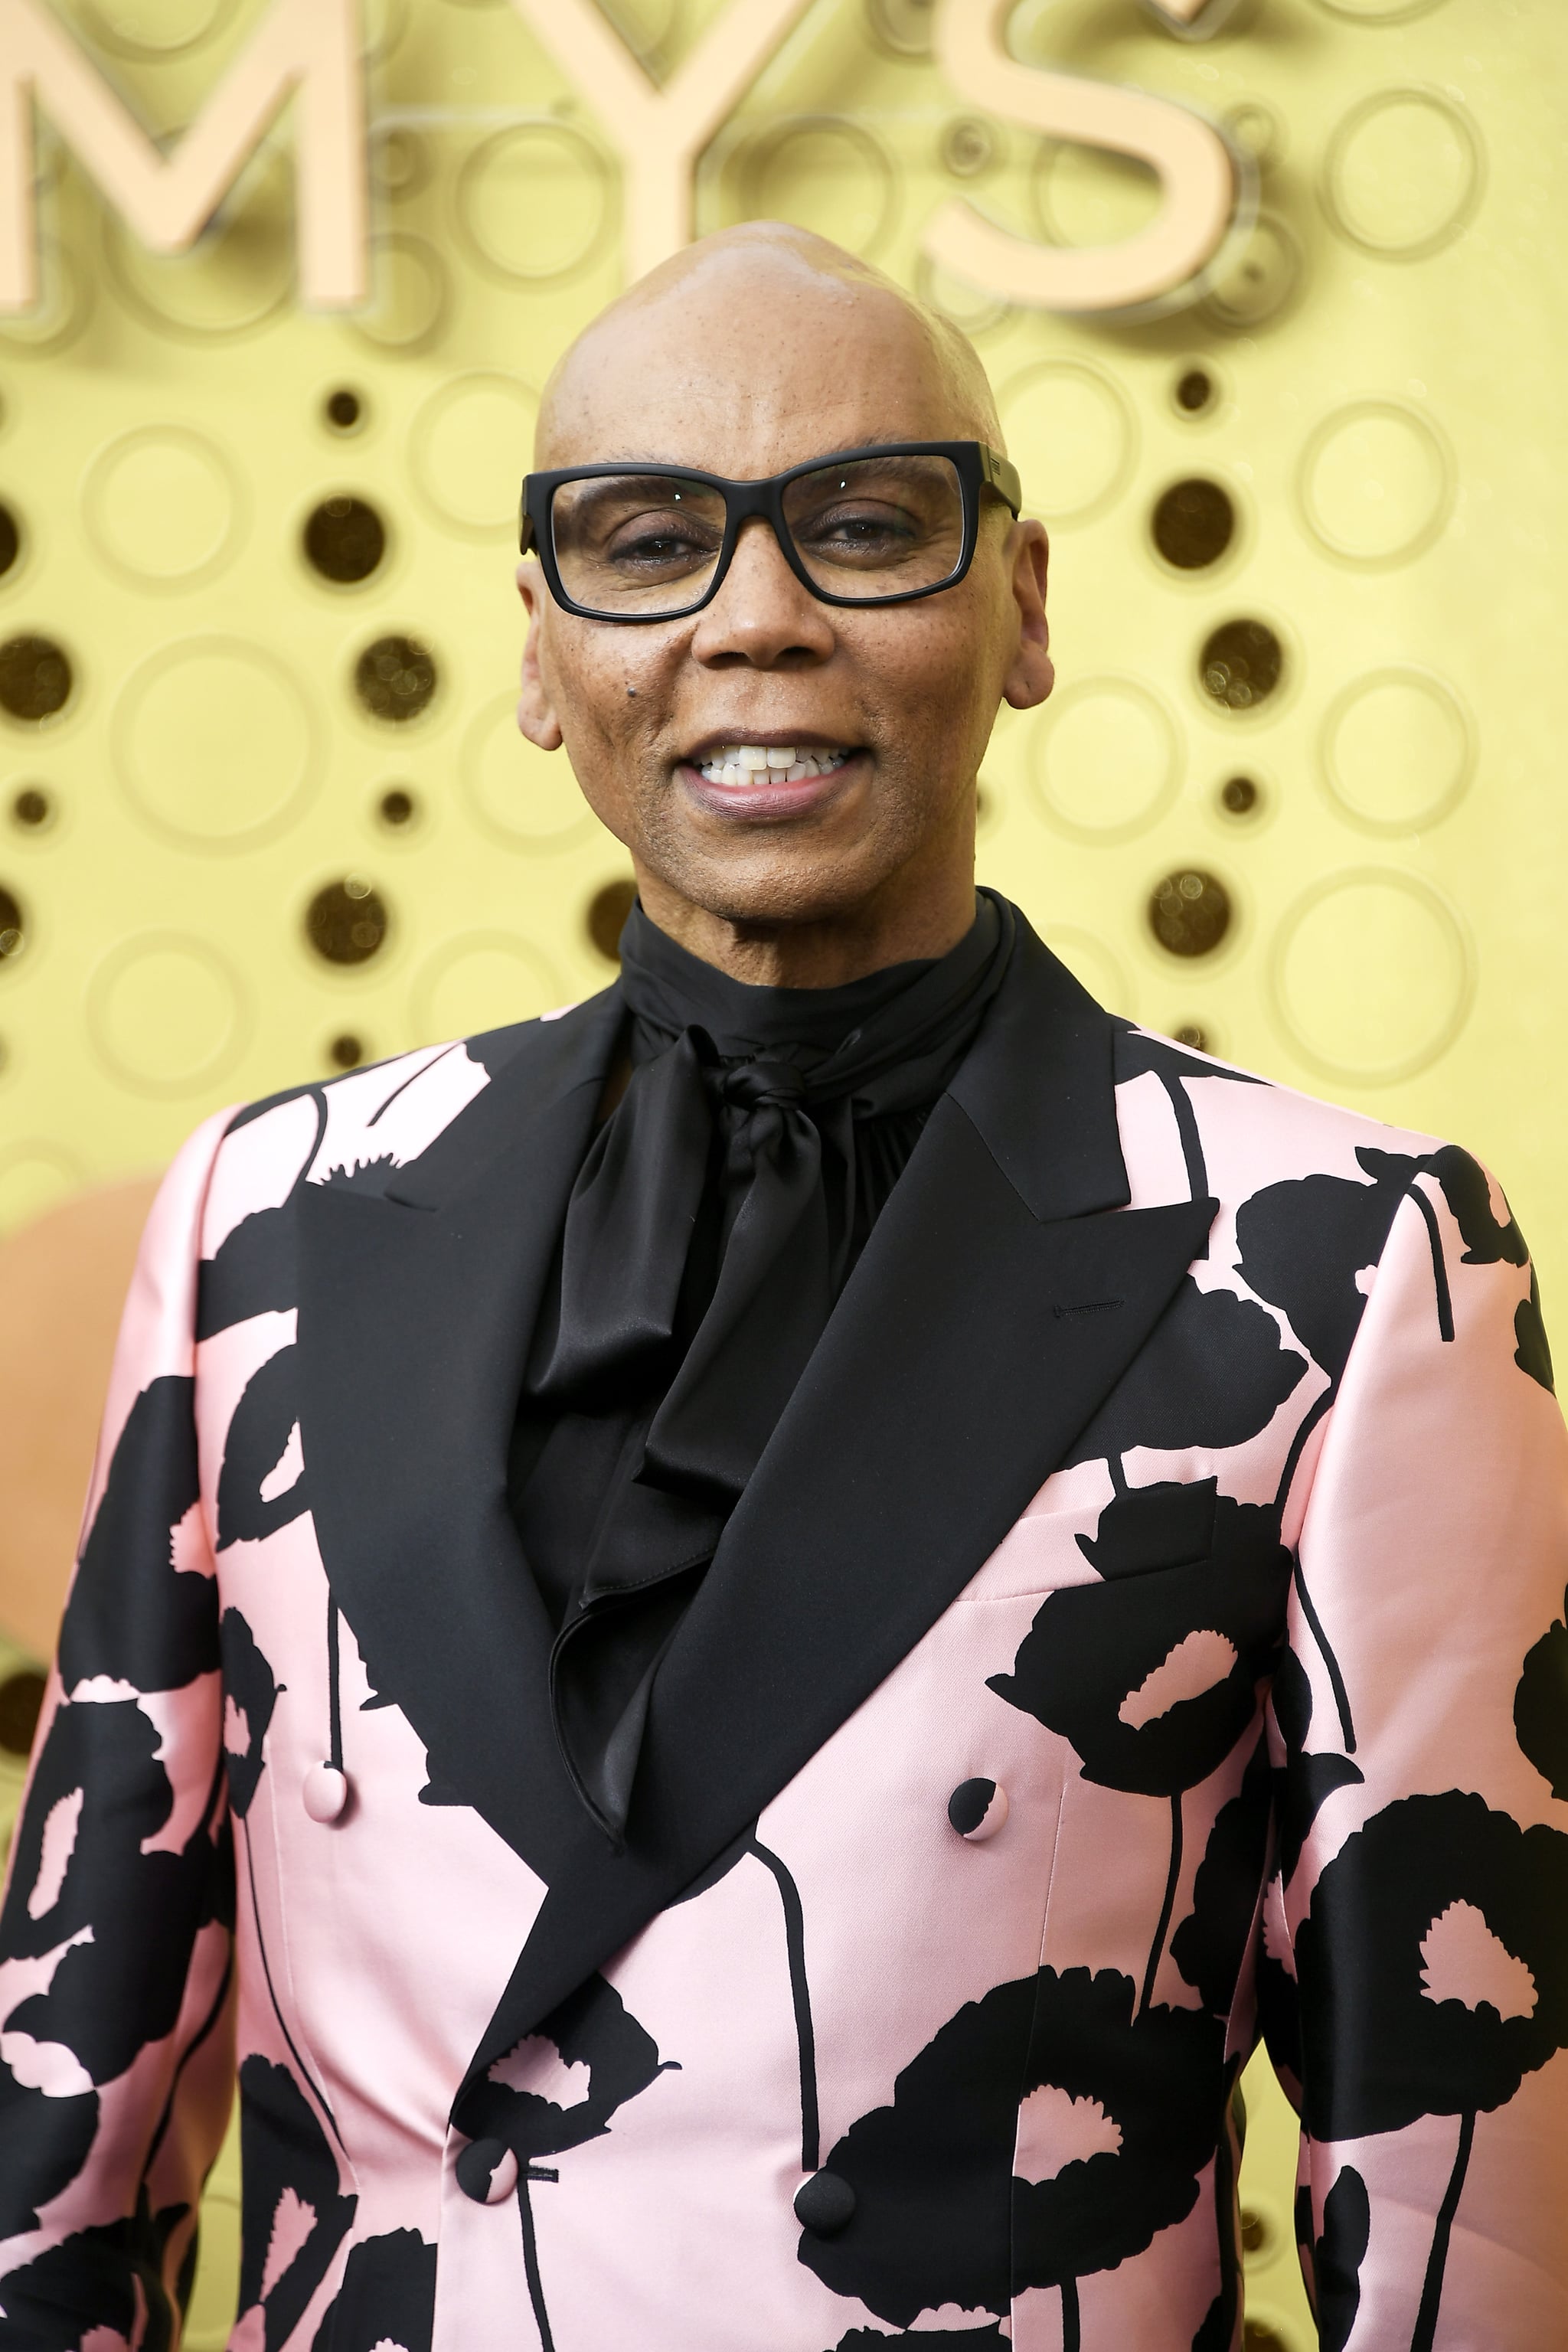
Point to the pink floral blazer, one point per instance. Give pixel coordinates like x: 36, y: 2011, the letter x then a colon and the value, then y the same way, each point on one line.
x: 1144, y: 1631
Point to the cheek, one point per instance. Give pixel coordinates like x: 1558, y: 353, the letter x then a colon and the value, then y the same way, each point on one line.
x: 929, y: 654
x: 614, y: 681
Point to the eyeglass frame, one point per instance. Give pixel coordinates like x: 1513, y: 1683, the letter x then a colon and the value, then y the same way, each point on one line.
x: 979, y: 467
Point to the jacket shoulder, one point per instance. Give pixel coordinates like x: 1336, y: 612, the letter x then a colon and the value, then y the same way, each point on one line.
x: 1284, y: 1131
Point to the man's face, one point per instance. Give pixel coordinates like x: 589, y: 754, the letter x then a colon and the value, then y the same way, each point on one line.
x: 753, y: 364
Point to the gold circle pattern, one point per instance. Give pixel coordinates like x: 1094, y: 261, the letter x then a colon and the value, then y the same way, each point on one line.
x: 1404, y: 174
x: 1257, y: 283
x: 826, y: 173
x: 535, y: 202
x: 215, y: 743
x: 523, y: 797
x: 1372, y: 975
x: 1398, y: 751
x: 410, y: 295
x: 1079, y: 425
x: 481, y: 980
x: 166, y: 1013
x: 170, y: 29
x: 164, y: 508
x: 1376, y: 483
x: 469, y: 447
x: 1109, y: 760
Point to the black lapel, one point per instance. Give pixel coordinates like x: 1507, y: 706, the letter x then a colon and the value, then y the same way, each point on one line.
x: 415, y: 1310
x: 1003, y: 1291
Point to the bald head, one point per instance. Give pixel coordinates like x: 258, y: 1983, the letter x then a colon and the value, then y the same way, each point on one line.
x: 761, y: 324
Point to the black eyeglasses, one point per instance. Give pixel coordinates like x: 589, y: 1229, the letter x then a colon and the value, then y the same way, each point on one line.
x: 652, y: 542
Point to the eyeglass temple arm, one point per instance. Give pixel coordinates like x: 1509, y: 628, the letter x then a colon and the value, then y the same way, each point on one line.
x: 1002, y: 476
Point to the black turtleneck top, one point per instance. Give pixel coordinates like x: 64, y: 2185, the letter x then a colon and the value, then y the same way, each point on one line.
x: 720, y: 1211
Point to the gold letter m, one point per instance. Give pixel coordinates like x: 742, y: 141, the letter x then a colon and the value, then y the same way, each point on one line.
x: 310, y: 46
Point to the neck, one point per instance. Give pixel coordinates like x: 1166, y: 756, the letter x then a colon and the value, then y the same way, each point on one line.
x: 815, y: 950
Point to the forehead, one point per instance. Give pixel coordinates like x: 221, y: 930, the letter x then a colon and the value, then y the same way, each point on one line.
x: 745, y: 368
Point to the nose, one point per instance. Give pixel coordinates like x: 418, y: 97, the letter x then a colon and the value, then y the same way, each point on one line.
x: 762, y: 617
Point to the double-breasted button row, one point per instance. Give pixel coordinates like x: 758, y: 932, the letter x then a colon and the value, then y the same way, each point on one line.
x: 486, y: 2169
x: 977, y: 1809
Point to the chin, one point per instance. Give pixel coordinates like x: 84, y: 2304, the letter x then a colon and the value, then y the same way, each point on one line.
x: 797, y: 891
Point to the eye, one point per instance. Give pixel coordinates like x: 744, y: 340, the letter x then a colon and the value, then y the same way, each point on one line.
x: 658, y: 542
x: 864, y: 525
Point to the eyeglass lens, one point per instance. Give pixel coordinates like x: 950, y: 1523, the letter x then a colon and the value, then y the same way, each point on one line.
x: 647, y: 544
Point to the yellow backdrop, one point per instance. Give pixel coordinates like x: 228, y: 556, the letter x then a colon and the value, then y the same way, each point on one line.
x: 263, y: 810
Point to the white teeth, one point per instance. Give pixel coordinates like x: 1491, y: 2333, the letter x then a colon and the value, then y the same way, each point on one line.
x: 756, y: 763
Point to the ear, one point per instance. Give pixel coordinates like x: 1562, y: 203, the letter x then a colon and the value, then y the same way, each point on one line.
x: 1030, y: 675
x: 535, y: 709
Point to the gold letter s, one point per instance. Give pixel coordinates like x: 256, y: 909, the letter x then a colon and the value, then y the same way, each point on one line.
x: 1197, y: 174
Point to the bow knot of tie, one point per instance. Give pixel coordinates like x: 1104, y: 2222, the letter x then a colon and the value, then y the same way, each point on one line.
x: 764, y: 1086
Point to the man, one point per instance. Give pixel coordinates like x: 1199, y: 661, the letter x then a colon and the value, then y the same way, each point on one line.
x: 781, y: 1609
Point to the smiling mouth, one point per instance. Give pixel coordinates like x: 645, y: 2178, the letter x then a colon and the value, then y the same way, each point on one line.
x: 768, y: 763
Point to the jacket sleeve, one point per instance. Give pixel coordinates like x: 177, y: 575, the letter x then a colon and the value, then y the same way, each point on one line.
x: 116, y: 1927
x: 1415, y: 1968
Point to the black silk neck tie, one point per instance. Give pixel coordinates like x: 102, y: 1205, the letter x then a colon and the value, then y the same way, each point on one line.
x: 708, y: 1235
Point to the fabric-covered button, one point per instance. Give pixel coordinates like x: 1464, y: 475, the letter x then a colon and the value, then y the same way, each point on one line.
x: 326, y: 1791
x: 977, y: 1809
x: 487, y: 2171
x: 823, y: 2204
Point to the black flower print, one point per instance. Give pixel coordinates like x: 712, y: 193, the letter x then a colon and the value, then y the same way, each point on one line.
x: 1303, y: 1242
x: 1361, y: 1952
x: 134, y: 1616
x: 1278, y: 1997
x: 557, y: 2089
x: 1211, y: 1942
x: 252, y: 1272
x: 45, y: 2136
x: 1337, y: 2257
x: 1532, y: 1350
x: 872, y: 2339
x: 250, y: 1693
x: 1304, y: 1782
x: 1153, y: 1674
x: 81, y: 1879
x: 1093, y: 1647
x: 1541, y: 1705
x: 591, y: 2056
x: 261, y: 1485
x: 1136, y: 1051
x: 1308, y: 1246
x: 1467, y: 1191
x: 1434, y: 1975
x: 388, y: 2300
x: 291, y: 2187
x: 939, y: 2217
x: 1213, y: 1373
x: 95, y: 2280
